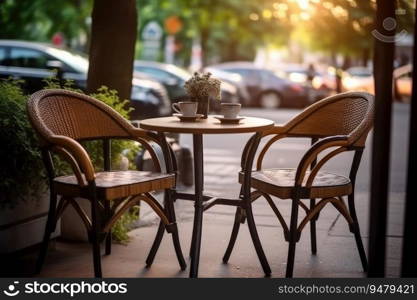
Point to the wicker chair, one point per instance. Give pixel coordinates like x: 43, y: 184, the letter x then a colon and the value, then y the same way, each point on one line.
x: 341, y: 122
x: 62, y: 119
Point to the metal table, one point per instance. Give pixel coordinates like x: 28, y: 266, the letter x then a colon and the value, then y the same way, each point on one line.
x: 203, y: 202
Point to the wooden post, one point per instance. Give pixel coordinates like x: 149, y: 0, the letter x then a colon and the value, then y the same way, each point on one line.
x: 383, y: 67
x: 409, y: 257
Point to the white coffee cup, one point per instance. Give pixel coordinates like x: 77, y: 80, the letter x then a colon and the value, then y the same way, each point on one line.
x: 186, y: 108
x: 230, y: 110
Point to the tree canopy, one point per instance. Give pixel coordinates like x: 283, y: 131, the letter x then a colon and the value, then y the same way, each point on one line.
x: 345, y: 26
x: 227, y: 29
x: 40, y: 19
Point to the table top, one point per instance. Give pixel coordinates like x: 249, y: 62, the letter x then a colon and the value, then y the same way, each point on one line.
x: 205, y: 126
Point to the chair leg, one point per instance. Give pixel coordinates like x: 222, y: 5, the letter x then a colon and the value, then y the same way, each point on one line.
x: 95, y: 231
x: 256, y: 241
x: 233, y: 236
x: 313, y: 235
x: 177, y: 246
x: 96, y: 255
x: 292, y: 238
x: 108, y: 243
x: 155, y: 245
x: 175, y: 238
x: 190, y: 254
x: 357, y: 233
x: 48, y: 231
x: 109, y: 235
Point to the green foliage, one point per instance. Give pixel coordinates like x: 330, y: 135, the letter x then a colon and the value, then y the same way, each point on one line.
x: 53, y: 83
x: 345, y: 27
x: 39, y: 19
x: 111, y: 98
x: 122, y: 226
x: 21, y: 171
x: 224, y: 27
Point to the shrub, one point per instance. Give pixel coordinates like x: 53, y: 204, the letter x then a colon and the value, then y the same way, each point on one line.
x: 21, y: 171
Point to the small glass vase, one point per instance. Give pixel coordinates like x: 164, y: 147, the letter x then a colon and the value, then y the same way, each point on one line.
x: 203, y: 106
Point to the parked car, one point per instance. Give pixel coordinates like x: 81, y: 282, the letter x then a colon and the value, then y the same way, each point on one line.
x: 173, y: 78
x: 403, y: 78
x: 326, y: 80
x: 300, y: 74
x: 293, y: 72
x: 33, y: 62
x: 358, y: 79
x: 266, y: 88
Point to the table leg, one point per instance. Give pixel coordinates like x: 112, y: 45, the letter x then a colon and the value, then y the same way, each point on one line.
x: 198, y: 206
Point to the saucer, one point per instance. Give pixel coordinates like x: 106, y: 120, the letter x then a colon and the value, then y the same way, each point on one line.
x: 188, y: 118
x: 224, y: 120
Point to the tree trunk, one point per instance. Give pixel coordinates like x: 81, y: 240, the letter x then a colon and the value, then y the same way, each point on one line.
x: 113, y: 38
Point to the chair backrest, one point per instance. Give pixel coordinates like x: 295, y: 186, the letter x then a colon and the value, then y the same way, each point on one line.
x: 348, y: 114
x: 71, y: 114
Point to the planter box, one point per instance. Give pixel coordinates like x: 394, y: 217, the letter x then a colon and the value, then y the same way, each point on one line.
x: 23, y: 225
x: 72, y: 228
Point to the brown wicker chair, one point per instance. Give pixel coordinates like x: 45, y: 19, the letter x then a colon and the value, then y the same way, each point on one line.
x: 62, y: 119
x: 341, y: 122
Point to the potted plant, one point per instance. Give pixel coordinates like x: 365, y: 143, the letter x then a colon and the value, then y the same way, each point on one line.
x: 201, y: 87
x: 23, y: 188
x: 24, y: 195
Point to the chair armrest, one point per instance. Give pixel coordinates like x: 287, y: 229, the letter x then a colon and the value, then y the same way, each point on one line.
x: 144, y: 137
x: 77, y: 152
x: 277, y: 129
x: 280, y: 131
x: 72, y: 161
x: 315, y: 150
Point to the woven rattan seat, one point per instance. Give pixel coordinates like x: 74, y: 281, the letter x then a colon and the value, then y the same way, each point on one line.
x: 280, y: 183
x: 62, y: 120
x: 113, y: 185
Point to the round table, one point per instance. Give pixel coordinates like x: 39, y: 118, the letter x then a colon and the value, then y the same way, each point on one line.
x: 210, y: 125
